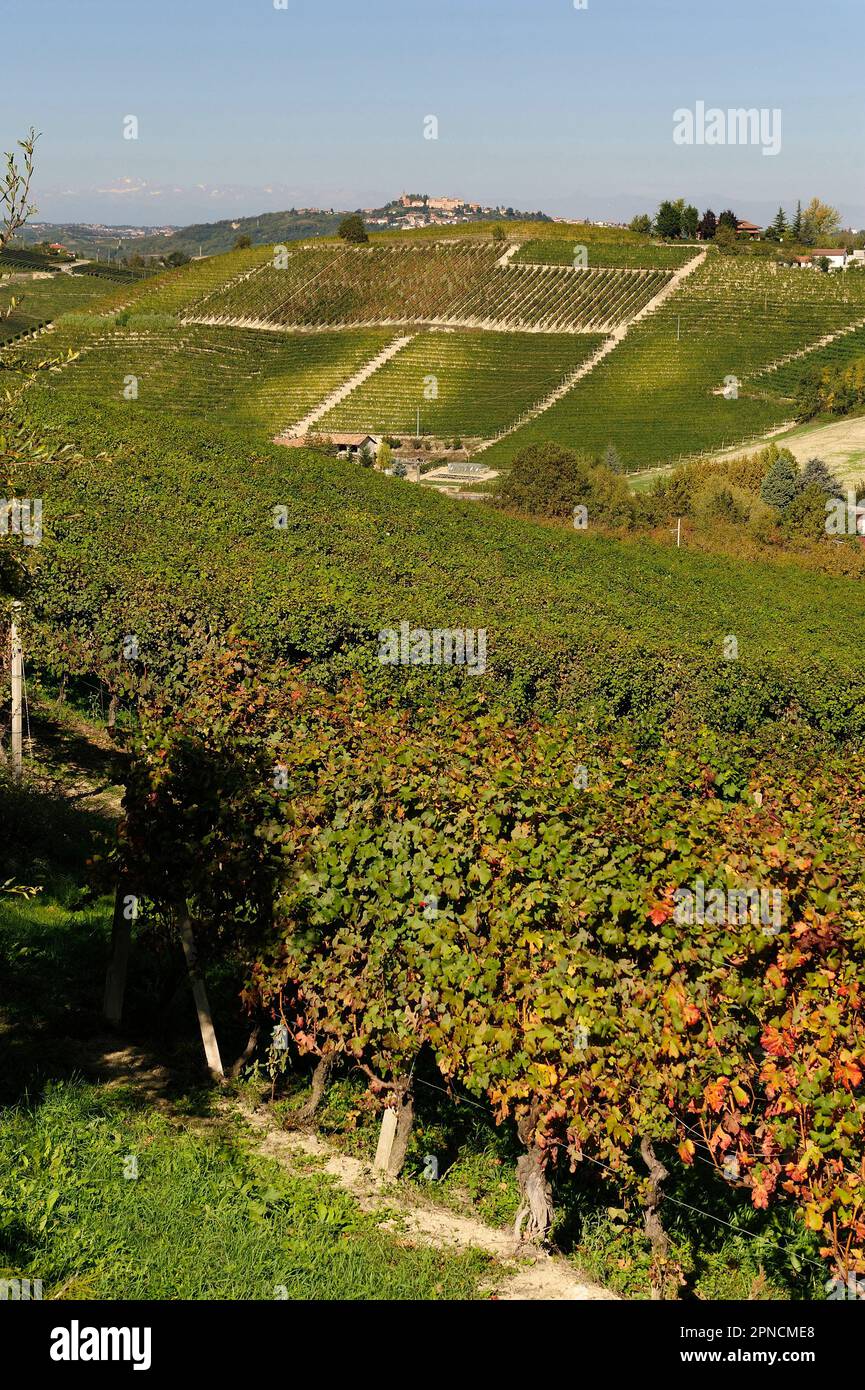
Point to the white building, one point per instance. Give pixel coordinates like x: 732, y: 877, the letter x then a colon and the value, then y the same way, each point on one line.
x: 836, y: 256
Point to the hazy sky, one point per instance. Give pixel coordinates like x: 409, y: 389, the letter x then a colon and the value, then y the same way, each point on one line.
x: 243, y: 107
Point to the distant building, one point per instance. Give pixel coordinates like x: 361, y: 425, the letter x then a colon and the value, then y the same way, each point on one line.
x: 836, y: 256
x: 348, y: 446
x: 748, y: 229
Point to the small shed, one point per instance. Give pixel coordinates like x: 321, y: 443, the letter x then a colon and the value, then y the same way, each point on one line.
x: 351, y: 446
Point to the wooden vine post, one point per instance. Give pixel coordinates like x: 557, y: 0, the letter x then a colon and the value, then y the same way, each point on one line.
x: 125, y: 908
x: 396, y: 1125
x: 199, y: 993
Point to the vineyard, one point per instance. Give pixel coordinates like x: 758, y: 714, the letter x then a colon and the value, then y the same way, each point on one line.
x: 445, y: 892
x: 463, y: 383
x: 262, y: 379
x: 472, y: 883
x: 39, y: 302
x: 575, y: 622
x: 660, y: 394
x: 609, y: 254
x: 459, y: 284
x: 783, y: 380
x: 715, y: 363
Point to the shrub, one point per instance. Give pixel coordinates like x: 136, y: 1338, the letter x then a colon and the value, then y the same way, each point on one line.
x: 547, y: 480
x: 782, y: 481
x: 806, y: 514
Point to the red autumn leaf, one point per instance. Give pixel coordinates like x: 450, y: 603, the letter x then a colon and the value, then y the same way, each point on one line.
x: 774, y: 1042
x: 714, y: 1093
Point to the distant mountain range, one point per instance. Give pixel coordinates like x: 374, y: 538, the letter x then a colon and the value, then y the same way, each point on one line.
x: 213, y: 238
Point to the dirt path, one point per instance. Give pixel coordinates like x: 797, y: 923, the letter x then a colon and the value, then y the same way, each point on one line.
x: 532, y: 1276
x: 405, y: 1213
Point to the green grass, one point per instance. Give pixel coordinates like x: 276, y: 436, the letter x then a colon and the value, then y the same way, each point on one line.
x: 203, y: 1219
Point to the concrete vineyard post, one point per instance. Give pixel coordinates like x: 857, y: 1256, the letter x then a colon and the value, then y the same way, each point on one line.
x: 199, y: 994
x: 115, y: 976
x: 17, y: 695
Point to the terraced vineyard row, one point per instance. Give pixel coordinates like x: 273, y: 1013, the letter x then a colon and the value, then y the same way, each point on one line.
x: 338, y: 285
x: 43, y: 301
x: 463, y: 383
x: 784, y: 380
x: 551, y: 299
x: 268, y: 380
x: 659, y: 394
x: 609, y: 254
x: 175, y: 291
x: 457, y: 284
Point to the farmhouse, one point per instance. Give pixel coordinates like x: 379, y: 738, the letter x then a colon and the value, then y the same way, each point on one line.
x: 749, y: 229
x: 836, y: 256
x: 349, y: 446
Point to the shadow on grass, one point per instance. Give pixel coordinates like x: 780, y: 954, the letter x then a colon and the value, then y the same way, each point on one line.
x: 54, y: 950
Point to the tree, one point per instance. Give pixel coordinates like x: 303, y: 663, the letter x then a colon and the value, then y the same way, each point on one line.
x: 796, y: 228
x: 642, y: 224
x: 668, y: 222
x: 351, y: 229
x: 242, y: 243
x: 399, y: 469
x: 819, y: 221
x: 816, y: 474
x: 613, y: 459
x: 708, y: 226
x: 725, y: 236
x: 498, y: 232
x: 806, y: 514
x: 809, y: 394
x: 689, y: 222
x: 385, y: 457
x: 547, y: 480
x: 782, y: 482
x: 779, y: 228
x: 15, y: 189
x: 729, y: 219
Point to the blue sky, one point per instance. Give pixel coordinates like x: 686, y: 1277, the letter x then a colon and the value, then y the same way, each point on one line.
x: 243, y: 107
